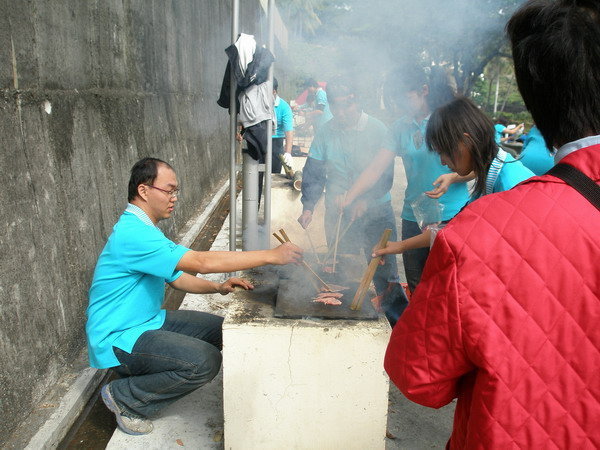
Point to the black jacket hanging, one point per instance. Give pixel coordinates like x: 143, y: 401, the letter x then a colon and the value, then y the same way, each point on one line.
x: 257, y: 72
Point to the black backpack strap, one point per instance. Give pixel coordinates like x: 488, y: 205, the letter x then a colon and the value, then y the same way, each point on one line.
x: 579, y: 181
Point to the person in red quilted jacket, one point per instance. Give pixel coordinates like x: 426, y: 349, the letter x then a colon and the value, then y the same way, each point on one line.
x: 506, y: 316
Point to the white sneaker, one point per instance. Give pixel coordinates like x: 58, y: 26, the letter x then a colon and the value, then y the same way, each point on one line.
x: 127, y: 424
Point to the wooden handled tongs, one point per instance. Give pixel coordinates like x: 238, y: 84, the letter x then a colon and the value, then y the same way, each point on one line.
x: 283, y: 239
x: 357, y: 302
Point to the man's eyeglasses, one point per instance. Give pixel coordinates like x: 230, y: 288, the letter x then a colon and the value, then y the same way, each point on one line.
x: 172, y: 193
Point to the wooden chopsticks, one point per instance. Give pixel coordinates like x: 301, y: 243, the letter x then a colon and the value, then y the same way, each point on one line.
x: 312, y: 246
x: 337, y: 240
x: 285, y: 239
x: 343, y: 233
x: 369, y: 273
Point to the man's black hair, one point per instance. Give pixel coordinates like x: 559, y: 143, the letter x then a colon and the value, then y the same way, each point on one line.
x: 275, y: 84
x: 556, y: 52
x: 311, y: 82
x: 342, y: 86
x: 143, y: 172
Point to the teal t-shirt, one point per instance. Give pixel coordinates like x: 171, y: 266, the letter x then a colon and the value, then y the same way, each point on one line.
x: 423, y: 167
x: 347, y: 152
x: 128, y: 287
x: 535, y: 155
x: 321, y: 100
x: 285, y: 118
x: 498, y: 129
x: 511, y: 174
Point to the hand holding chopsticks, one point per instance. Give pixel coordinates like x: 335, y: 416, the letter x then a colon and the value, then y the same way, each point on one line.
x: 285, y: 238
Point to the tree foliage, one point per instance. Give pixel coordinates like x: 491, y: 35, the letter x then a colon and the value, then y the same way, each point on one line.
x: 376, y: 35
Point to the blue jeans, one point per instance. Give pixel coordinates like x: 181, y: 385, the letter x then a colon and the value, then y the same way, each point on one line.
x: 414, y: 260
x: 166, y: 364
x: 364, y: 234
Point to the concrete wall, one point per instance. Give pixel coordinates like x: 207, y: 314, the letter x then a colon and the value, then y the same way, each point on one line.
x: 88, y: 88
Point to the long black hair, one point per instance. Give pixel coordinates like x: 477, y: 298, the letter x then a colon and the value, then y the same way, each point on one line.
x: 462, y: 121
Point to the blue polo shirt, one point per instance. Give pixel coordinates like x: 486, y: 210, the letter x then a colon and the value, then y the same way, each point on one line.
x: 347, y: 152
x: 423, y: 167
x: 285, y: 117
x: 128, y: 287
x: 535, y: 155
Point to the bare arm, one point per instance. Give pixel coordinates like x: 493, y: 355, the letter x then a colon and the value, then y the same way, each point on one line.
x: 443, y: 182
x: 419, y: 241
x: 370, y: 175
x: 514, y: 130
x: 214, y: 262
x: 289, y: 140
x: 194, y: 285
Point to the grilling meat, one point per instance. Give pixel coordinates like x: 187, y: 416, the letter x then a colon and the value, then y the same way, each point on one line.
x: 334, y: 288
x: 328, y: 301
x: 328, y: 298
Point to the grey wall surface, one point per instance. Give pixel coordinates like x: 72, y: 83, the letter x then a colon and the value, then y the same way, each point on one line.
x: 88, y: 88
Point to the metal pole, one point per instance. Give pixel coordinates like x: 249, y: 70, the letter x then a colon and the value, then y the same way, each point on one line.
x: 496, y: 97
x: 268, y: 161
x: 235, y: 13
x: 250, y: 203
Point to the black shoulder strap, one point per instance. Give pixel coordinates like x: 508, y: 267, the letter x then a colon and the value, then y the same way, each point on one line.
x: 579, y: 181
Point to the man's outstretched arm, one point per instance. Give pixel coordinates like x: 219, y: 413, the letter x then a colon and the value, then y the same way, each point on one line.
x: 214, y: 262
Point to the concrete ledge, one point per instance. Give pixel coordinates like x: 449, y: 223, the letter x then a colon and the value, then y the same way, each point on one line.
x: 68, y: 410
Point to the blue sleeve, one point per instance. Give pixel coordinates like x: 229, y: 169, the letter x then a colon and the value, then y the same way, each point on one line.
x: 313, y: 182
x: 512, y: 173
x: 152, y: 253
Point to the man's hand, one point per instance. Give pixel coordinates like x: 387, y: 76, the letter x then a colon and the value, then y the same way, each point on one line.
x: 287, y: 253
x: 238, y: 137
x: 340, y: 202
x: 287, y: 158
x: 305, y: 218
x: 358, y: 209
x: 442, y: 183
x: 229, y: 285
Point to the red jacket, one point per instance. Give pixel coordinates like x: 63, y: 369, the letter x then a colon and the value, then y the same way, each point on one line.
x: 507, y: 319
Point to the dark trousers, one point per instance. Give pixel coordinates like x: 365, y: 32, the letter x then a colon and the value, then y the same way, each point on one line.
x: 414, y: 260
x: 166, y: 364
x: 275, y: 163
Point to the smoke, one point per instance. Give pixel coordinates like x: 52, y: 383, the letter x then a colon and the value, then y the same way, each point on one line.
x: 366, y: 41
x: 372, y: 38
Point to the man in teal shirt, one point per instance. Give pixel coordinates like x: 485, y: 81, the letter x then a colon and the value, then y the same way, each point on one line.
x: 340, y: 151
x: 283, y: 133
x: 161, y: 355
x: 321, y: 114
